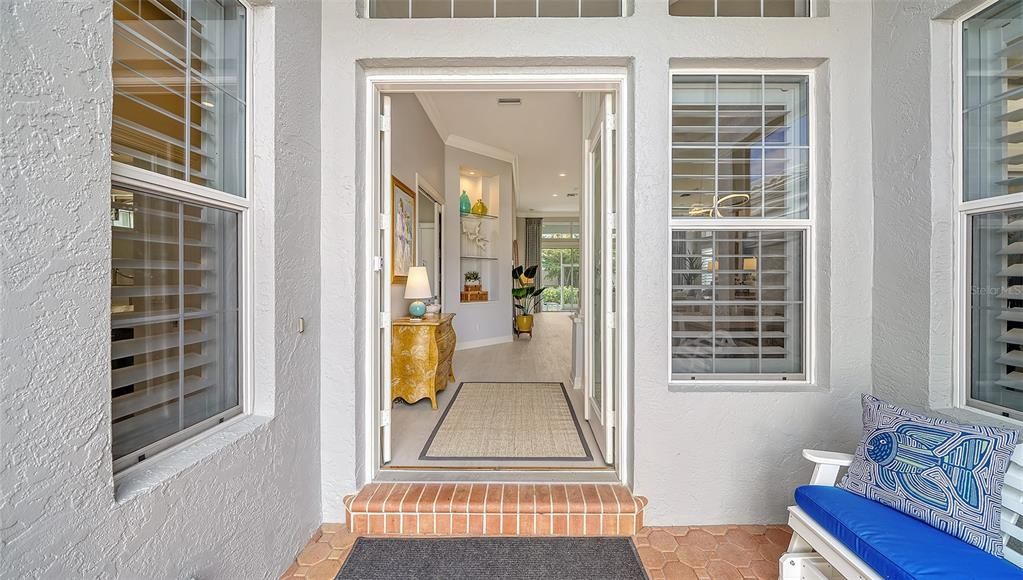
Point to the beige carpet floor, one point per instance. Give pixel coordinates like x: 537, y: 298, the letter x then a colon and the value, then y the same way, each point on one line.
x: 508, y: 421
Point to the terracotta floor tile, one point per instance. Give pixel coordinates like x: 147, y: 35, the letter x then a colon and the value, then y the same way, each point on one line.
x: 314, y: 554
x: 779, y: 536
x: 735, y: 555
x: 771, y: 551
x: 342, y: 540
x: 700, y: 538
x: 765, y: 570
x: 720, y: 570
x: 662, y: 540
x: 678, y: 571
x: 668, y: 553
x: 692, y: 556
x: 741, y: 538
x: 325, y: 570
x: 652, y: 559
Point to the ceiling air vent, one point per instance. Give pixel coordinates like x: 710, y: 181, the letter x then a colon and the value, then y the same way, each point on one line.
x: 509, y: 101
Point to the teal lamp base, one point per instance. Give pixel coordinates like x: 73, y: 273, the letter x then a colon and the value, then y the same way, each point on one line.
x: 417, y: 309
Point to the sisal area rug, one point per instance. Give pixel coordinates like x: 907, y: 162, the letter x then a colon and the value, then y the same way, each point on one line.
x: 493, y: 559
x: 508, y: 421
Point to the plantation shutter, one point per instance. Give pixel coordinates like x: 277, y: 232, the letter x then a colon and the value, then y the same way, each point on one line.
x: 179, y: 90
x: 174, y: 316
x: 737, y: 305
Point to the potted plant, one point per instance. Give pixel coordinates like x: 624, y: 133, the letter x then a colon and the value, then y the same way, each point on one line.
x: 472, y: 281
x: 526, y: 296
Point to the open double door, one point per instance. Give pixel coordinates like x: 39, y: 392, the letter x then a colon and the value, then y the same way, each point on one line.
x: 600, y: 278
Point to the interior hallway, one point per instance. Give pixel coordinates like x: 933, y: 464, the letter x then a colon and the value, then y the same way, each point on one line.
x: 546, y: 357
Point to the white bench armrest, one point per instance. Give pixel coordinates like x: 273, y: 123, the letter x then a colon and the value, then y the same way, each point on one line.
x: 828, y: 464
x: 828, y: 457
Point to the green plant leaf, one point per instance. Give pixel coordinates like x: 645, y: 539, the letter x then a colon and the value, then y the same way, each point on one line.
x: 516, y: 272
x: 531, y: 271
x: 520, y: 293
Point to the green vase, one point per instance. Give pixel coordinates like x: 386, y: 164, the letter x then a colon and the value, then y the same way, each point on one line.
x: 464, y: 205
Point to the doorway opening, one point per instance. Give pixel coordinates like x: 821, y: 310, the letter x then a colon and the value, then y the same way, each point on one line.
x: 498, y: 277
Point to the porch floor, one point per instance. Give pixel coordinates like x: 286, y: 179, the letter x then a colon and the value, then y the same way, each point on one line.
x: 668, y: 553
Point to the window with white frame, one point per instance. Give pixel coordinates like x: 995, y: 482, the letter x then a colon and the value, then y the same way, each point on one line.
x: 741, y: 227
x: 990, y: 209
x: 494, y: 8
x: 179, y: 203
x: 768, y: 8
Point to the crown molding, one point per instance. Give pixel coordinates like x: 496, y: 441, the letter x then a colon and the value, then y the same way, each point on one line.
x: 466, y: 144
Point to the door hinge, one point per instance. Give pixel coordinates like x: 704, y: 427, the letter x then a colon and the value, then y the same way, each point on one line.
x: 383, y: 123
x: 382, y: 320
x: 385, y: 417
x: 612, y: 122
x: 378, y: 263
x: 382, y: 221
x: 611, y: 419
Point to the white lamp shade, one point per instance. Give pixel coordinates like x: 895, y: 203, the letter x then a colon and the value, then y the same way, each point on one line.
x: 417, y: 286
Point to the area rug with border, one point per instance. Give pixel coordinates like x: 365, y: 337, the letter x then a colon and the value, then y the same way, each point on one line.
x: 508, y: 421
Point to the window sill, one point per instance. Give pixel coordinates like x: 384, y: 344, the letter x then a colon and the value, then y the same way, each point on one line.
x: 149, y: 475
x: 744, y: 387
x: 977, y: 416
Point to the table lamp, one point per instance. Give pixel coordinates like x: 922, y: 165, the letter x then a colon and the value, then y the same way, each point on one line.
x: 417, y: 287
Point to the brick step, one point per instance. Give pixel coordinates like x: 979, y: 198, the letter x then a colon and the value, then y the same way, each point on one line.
x: 494, y: 509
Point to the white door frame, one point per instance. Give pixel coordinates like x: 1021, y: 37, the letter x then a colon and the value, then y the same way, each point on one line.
x: 600, y: 141
x: 496, y: 79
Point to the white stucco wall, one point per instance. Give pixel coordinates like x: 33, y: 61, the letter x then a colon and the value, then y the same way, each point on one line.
x: 241, y: 503
x: 701, y: 457
x: 915, y: 198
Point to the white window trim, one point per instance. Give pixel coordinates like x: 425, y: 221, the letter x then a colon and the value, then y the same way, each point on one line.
x: 366, y: 9
x: 185, y: 191
x: 808, y: 226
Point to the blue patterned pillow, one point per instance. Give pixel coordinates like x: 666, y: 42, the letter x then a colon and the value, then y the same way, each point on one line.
x: 946, y: 474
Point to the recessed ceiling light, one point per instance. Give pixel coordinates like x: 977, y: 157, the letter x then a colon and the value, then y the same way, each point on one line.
x: 554, y: 195
x: 562, y: 174
x: 472, y: 173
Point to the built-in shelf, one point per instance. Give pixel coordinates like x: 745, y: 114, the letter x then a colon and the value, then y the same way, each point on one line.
x: 482, y: 216
x: 478, y: 258
x: 478, y: 302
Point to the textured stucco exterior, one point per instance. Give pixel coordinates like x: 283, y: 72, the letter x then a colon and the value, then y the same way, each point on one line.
x: 701, y: 457
x: 240, y: 503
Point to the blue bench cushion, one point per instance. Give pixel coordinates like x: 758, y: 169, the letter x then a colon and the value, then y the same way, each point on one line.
x: 895, y: 545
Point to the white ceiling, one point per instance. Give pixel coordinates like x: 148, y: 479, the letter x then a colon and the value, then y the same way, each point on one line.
x: 544, y: 132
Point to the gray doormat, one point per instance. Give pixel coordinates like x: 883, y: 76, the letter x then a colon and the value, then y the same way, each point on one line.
x: 493, y: 559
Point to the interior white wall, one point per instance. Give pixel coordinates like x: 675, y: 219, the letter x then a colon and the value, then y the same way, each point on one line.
x: 484, y: 322
x: 243, y: 502
x: 722, y: 455
x: 415, y: 148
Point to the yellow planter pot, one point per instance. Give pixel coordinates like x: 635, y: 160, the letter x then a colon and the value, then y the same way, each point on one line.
x: 524, y: 322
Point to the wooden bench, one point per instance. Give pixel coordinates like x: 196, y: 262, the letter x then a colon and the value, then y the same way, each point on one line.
x: 816, y: 554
